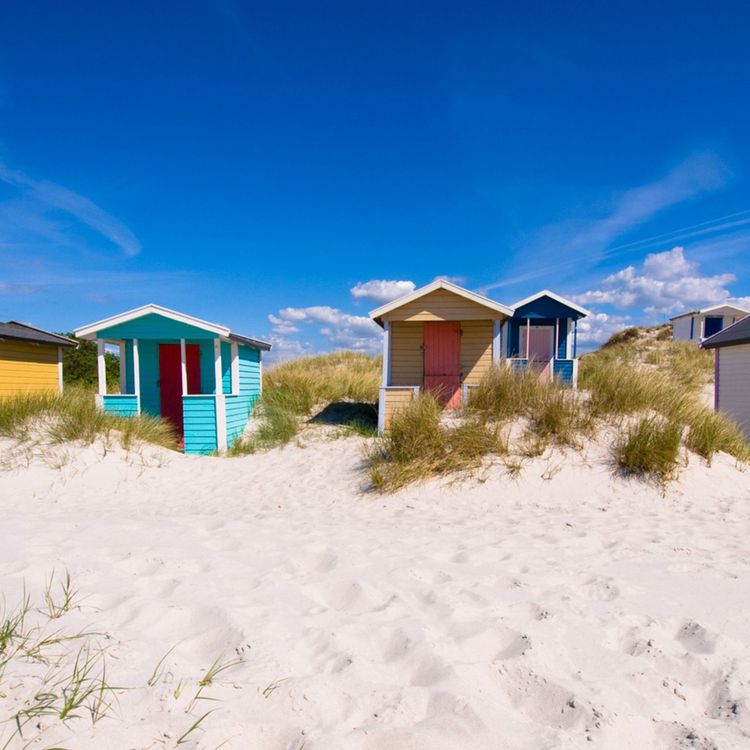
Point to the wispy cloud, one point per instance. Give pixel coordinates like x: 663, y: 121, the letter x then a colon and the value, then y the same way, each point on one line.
x: 44, y: 211
x: 566, y: 243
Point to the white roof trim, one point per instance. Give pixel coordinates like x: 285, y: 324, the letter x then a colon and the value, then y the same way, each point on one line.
x: 440, y: 284
x: 551, y: 295
x: 709, y: 310
x: 89, y: 331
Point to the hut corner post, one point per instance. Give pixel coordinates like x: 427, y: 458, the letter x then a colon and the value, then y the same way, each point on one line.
x: 101, y: 372
x: 386, y: 375
x: 221, y: 419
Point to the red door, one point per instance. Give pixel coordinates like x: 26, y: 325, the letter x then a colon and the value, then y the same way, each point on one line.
x: 170, y: 379
x: 442, y: 362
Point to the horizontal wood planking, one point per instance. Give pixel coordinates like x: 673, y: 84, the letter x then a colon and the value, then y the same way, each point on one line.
x: 27, y: 368
x: 199, y: 418
x: 407, y: 357
x: 442, y: 305
x: 476, y: 350
x: 734, y: 393
x: 395, y: 399
x: 121, y: 406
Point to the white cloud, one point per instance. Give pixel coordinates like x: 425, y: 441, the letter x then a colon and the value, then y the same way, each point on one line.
x: 37, y: 215
x: 339, y: 328
x: 666, y: 283
x: 381, y: 290
x: 598, y: 327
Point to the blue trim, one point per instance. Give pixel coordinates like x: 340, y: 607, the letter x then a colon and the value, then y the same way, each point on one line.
x: 692, y: 327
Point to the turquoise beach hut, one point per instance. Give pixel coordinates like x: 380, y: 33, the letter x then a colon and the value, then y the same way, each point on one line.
x: 200, y: 376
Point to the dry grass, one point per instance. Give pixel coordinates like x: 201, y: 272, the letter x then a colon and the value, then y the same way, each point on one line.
x: 648, y: 388
x: 293, y: 390
x: 49, y: 419
x: 417, y: 446
x: 650, y: 448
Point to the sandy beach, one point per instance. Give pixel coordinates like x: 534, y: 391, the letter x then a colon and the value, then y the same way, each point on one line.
x: 565, y: 608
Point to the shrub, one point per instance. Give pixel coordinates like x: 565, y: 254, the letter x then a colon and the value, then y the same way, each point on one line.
x: 649, y: 448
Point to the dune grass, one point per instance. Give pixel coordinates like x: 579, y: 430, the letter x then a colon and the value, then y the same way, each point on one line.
x: 647, y: 388
x: 293, y: 390
x: 52, y: 420
x: 649, y: 448
x: 417, y: 446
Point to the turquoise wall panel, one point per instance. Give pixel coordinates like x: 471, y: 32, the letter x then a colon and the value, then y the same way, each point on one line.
x: 199, y: 418
x: 249, y: 370
x: 121, y: 406
x: 226, y: 367
x: 154, y: 327
x: 148, y: 360
x: 238, y: 409
x: 129, y: 378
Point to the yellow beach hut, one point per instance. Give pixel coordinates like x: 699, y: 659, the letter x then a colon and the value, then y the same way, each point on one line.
x: 30, y: 359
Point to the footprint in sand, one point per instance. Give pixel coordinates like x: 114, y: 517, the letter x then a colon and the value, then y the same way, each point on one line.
x: 695, y: 638
x: 602, y: 589
x: 545, y: 702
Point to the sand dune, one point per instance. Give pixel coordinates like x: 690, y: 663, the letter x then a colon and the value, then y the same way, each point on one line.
x: 577, y: 611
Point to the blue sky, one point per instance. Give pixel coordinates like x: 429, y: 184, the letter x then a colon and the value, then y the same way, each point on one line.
x: 270, y: 165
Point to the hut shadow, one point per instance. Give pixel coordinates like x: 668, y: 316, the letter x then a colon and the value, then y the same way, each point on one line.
x: 360, y: 416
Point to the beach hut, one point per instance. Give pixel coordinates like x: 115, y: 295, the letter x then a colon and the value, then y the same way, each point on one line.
x: 31, y: 360
x: 543, y: 334
x: 443, y: 338
x: 731, y: 367
x: 200, y: 376
x: 697, y: 325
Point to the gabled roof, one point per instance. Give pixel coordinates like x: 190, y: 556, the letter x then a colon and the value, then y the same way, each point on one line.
x: 546, y: 293
x: 714, y: 308
x: 734, y: 335
x: 23, y: 332
x: 434, y: 286
x: 89, y: 331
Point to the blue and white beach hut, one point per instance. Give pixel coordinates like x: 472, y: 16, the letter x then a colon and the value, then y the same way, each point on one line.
x: 543, y: 334
x: 200, y: 376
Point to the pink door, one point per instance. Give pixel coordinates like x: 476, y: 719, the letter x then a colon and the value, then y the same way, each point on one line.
x: 170, y: 380
x: 541, y: 351
x: 442, y: 362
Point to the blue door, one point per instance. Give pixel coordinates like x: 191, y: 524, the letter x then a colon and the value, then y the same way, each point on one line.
x: 713, y: 325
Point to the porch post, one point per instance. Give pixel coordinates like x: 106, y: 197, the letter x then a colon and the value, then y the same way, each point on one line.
x: 528, y: 332
x: 557, y: 338
x: 575, y: 338
x: 137, y: 374
x: 221, y: 420
x: 59, y: 370
x: 123, y: 368
x: 101, y: 367
x: 496, y: 342
x: 183, y: 368
x: 386, y: 353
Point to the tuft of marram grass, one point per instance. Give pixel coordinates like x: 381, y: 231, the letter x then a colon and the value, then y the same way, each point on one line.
x: 74, y: 416
x: 649, y: 448
x: 417, y: 446
x: 710, y: 432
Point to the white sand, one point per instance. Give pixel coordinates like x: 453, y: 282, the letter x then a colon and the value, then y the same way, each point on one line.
x: 503, y: 614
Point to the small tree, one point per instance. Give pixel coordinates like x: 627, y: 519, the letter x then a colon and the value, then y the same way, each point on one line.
x: 79, y: 365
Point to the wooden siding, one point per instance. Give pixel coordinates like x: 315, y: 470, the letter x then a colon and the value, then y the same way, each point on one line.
x: 199, y: 418
x: 734, y: 384
x: 27, y: 368
x: 395, y: 399
x: 407, y: 357
x: 442, y: 305
x: 120, y: 406
x: 476, y: 350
